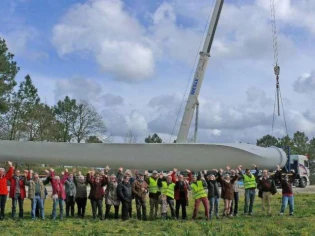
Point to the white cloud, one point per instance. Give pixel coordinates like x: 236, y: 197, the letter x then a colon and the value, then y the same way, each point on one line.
x: 115, y: 122
x: 18, y: 42
x: 86, y: 89
x: 164, y: 12
x: 233, y: 107
x: 118, y: 118
x: 112, y: 100
x: 105, y: 29
x: 219, y: 122
x: 256, y: 95
x: 305, y: 83
x: 136, y: 122
x: 244, y: 121
x: 18, y: 39
x: 78, y: 88
x: 297, y: 13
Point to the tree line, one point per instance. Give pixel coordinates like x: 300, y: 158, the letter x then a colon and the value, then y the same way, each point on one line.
x: 299, y: 144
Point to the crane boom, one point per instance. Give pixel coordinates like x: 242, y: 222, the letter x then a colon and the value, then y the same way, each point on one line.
x: 199, y: 75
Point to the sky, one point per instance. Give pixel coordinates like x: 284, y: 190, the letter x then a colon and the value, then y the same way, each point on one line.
x: 133, y: 60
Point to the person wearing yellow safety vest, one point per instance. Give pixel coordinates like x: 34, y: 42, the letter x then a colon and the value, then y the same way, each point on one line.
x: 250, y: 184
x: 199, y: 193
x: 154, y: 192
x: 167, y: 195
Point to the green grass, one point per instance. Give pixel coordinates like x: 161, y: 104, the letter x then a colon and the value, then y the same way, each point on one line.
x: 302, y: 223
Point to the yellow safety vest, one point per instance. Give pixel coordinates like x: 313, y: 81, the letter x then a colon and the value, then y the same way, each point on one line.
x: 198, y: 190
x: 168, y: 190
x: 153, y: 187
x: 249, y: 182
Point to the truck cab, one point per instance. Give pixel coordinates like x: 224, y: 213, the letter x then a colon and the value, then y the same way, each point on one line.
x: 300, y: 164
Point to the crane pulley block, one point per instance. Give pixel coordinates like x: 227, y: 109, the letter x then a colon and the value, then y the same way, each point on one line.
x: 277, y: 70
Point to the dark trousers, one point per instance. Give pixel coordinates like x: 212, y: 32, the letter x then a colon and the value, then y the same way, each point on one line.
x: 15, y: 200
x: 81, y: 203
x: 130, y: 211
x: 70, y: 205
x: 234, y: 205
x: 97, y: 204
x: 125, y: 210
x: 3, y: 200
x: 141, y: 204
x: 181, y: 203
x: 108, y: 207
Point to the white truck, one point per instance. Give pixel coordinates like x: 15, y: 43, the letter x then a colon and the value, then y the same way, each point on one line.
x: 300, y: 164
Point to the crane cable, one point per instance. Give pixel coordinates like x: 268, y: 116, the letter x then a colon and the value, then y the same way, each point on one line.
x: 192, y: 71
x: 278, y: 97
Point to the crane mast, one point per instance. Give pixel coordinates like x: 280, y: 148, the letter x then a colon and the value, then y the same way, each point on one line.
x: 199, y: 75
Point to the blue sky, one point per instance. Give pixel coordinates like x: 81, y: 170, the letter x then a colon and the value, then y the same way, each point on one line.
x: 142, y: 53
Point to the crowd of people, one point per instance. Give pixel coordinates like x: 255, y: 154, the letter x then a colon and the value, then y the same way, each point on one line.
x: 167, y: 194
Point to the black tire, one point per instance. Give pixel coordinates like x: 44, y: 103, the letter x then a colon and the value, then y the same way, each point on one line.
x: 302, y: 183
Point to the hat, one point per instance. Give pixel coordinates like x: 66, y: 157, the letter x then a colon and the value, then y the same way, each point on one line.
x: 154, y: 172
x: 140, y: 174
x: 226, y: 176
x: 128, y: 172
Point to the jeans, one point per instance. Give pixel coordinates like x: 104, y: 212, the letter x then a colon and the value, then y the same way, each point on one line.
x: 97, y: 204
x: 59, y: 201
x: 37, y: 202
x: 285, y: 200
x: 37, y: 212
x: 20, y: 200
x: 234, y: 207
x: 214, y: 206
x: 171, y: 204
x: 249, y: 200
x: 3, y: 200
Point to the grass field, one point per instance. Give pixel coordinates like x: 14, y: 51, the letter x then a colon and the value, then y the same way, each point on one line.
x: 302, y: 223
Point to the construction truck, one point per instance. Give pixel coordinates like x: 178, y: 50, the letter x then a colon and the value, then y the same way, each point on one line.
x: 300, y: 164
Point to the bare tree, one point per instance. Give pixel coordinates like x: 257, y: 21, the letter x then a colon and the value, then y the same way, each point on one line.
x: 131, y: 137
x: 88, y: 123
x: 109, y: 138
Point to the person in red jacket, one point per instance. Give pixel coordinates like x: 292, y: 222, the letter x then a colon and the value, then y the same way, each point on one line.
x: 181, y: 195
x: 17, y: 192
x: 3, y: 188
x: 58, y: 193
x: 97, y: 193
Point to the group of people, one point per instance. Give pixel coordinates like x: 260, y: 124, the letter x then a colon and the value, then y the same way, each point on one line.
x: 167, y: 194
